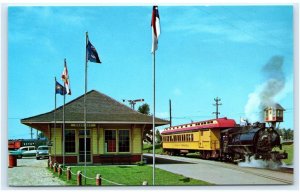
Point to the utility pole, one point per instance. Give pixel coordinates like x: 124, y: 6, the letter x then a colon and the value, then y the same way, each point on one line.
x: 133, y: 102
x: 170, y: 108
x: 31, y: 133
x: 217, y: 107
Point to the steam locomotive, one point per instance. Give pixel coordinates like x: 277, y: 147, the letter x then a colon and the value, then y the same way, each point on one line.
x: 255, y: 140
x: 223, y: 139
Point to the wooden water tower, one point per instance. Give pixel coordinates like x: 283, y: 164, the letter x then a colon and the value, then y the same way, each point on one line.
x: 274, y: 114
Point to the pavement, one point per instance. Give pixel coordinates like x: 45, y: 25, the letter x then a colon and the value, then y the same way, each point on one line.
x: 31, y: 172
x: 220, y: 173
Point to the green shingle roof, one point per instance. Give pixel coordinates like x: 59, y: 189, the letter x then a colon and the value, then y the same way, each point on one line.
x: 100, y: 109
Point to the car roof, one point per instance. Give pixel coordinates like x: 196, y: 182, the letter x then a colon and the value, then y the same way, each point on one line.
x: 43, y: 146
x: 27, y: 146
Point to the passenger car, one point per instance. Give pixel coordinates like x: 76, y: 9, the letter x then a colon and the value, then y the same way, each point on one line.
x: 28, y: 151
x: 42, y: 152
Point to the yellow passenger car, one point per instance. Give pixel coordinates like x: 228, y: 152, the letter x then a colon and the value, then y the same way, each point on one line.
x: 202, y: 136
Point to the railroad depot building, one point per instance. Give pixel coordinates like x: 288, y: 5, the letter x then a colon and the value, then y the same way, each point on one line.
x: 114, y: 131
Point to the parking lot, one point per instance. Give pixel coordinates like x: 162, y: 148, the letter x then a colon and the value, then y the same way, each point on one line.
x: 31, y: 172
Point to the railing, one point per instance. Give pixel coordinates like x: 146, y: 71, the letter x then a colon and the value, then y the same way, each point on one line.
x: 57, y: 168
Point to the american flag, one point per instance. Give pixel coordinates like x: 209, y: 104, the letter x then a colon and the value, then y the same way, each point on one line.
x: 155, y: 28
x: 65, y: 78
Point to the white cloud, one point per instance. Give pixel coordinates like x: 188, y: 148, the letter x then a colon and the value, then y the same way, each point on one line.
x: 228, y: 27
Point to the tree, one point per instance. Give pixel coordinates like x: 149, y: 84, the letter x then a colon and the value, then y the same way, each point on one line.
x: 157, y: 136
x: 147, y: 133
x: 286, y: 134
x: 145, y: 109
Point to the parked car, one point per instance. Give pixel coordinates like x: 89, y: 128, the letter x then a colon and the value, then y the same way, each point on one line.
x: 42, y: 152
x: 28, y: 151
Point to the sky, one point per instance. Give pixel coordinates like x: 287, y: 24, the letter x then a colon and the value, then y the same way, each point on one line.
x: 204, y: 52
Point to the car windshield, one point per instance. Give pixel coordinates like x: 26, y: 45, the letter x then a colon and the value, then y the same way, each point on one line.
x: 43, y: 148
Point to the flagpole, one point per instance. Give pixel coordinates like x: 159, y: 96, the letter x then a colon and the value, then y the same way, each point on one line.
x: 54, y: 122
x: 153, y: 134
x: 64, y: 128
x: 85, y: 90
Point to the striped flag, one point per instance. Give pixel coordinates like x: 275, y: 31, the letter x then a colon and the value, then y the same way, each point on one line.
x: 65, y: 78
x: 155, y: 28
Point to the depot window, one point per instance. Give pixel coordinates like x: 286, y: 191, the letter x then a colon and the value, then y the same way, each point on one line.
x: 123, y: 140
x: 117, y: 140
x: 110, y: 141
x: 70, y: 141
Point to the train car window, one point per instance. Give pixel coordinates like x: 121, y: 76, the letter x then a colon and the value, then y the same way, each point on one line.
x: 192, y: 137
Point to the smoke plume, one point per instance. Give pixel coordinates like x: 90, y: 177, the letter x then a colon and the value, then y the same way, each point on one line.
x: 264, y: 94
x: 259, y: 163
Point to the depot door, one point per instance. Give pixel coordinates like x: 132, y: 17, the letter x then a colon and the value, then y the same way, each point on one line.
x: 82, y: 151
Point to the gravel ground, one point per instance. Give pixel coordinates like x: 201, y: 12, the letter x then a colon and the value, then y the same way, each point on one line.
x: 31, y: 172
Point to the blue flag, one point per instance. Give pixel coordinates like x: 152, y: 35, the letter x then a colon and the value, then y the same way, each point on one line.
x: 59, y: 89
x: 92, y: 54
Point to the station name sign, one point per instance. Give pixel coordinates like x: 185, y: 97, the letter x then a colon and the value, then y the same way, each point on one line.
x: 82, y: 125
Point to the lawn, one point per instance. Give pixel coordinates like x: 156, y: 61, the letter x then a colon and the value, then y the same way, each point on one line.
x: 131, y: 175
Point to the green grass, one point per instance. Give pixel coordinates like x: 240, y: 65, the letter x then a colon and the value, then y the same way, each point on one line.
x: 148, y: 148
x: 290, y: 150
x: 131, y: 175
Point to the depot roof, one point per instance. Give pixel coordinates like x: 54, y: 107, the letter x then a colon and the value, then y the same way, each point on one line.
x: 100, y: 109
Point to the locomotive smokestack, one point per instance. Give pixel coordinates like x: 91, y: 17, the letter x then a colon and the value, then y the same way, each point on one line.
x: 264, y: 95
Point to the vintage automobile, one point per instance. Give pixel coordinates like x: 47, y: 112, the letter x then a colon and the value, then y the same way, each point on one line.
x: 42, y: 152
x: 28, y: 151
